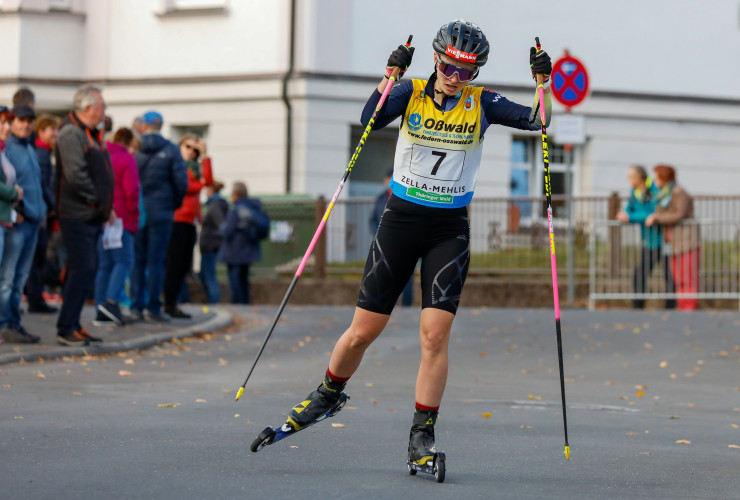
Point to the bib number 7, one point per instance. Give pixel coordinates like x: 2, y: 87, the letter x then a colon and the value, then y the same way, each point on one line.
x: 437, y: 163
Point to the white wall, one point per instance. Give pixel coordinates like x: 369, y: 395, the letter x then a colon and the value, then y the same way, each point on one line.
x: 224, y: 70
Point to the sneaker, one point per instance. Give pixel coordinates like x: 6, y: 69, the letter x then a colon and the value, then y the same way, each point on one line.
x: 102, y: 320
x: 88, y: 336
x: 135, y: 316
x: 176, y: 312
x: 42, y: 308
x: 318, y: 403
x: 112, y: 312
x: 157, y: 318
x: 72, y: 339
x: 19, y: 335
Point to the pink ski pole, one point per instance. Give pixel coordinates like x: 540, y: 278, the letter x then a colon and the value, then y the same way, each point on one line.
x: 319, y: 229
x: 553, y: 263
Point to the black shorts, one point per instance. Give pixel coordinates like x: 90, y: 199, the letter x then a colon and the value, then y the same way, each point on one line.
x: 440, y: 237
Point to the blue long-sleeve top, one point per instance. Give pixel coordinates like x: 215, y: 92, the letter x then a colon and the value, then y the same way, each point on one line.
x: 497, y: 110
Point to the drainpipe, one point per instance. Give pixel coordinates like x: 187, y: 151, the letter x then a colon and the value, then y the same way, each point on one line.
x: 288, y: 108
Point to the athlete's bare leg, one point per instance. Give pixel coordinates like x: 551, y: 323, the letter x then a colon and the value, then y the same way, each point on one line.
x: 434, y: 332
x: 365, y: 328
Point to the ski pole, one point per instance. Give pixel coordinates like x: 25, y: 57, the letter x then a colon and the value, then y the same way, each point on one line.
x: 329, y: 208
x: 553, y: 263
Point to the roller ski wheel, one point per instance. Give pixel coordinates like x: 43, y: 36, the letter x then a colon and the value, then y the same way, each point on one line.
x: 435, y: 467
x: 265, y: 438
x: 272, y: 435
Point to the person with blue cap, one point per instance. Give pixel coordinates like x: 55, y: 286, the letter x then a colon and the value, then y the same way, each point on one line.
x: 164, y: 182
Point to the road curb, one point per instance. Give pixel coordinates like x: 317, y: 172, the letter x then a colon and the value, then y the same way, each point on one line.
x: 220, y: 320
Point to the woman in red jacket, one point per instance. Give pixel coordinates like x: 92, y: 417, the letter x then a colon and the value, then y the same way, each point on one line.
x: 180, y: 251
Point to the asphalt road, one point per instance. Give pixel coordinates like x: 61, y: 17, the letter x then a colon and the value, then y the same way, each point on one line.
x: 653, y: 412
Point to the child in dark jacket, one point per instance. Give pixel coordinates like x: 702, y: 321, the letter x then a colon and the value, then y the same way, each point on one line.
x: 246, y: 224
x: 210, y: 240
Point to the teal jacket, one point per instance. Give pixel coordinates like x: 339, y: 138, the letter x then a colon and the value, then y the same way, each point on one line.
x: 640, y: 204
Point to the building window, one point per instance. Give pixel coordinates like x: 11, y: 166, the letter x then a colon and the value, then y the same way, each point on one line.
x: 193, y: 7
x: 178, y: 131
x: 374, y: 162
x: 527, y: 177
x: 60, y: 4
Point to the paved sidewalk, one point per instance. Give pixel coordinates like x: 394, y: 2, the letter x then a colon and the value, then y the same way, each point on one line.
x: 140, y: 335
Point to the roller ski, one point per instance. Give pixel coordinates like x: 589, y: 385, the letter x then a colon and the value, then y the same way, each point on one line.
x: 326, y: 401
x: 423, y: 456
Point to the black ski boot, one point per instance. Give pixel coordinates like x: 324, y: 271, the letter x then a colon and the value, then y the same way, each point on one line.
x: 421, y: 437
x: 318, y: 403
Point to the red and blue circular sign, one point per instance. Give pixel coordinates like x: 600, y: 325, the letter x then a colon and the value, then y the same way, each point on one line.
x: 569, y: 80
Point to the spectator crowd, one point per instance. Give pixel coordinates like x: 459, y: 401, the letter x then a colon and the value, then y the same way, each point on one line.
x: 111, y: 216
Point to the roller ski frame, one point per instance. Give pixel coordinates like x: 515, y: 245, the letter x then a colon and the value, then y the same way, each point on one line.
x: 272, y: 435
x: 436, y: 467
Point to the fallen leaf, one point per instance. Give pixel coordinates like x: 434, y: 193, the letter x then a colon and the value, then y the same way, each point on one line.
x: 733, y: 446
x: 663, y: 364
x: 130, y: 362
x: 368, y: 384
x: 735, y: 426
x: 486, y: 415
x: 222, y: 362
x: 644, y: 453
x: 374, y: 401
x: 294, y: 447
x: 201, y: 400
x: 77, y: 394
x: 483, y: 354
x: 40, y: 375
x: 350, y: 407
x: 168, y: 405
x: 391, y: 409
x: 674, y: 417
x: 530, y: 396
x: 18, y: 417
x: 526, y: 427
x: 641, y: 387
x: 636, y: 330
x: 336, y: 425
x: 640, y: 394
x: 683, y: 441
x: 124, y: 373
x: 236, y: 415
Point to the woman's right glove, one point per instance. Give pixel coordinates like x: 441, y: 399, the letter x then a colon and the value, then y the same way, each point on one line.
x: 401, y: 59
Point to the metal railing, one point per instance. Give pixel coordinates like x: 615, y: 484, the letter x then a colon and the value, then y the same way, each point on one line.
x: 621, y: 267
x: 509, y: 239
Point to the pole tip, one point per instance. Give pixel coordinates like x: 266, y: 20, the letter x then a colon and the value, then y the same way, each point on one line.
x: 567, y: 452
x: 239, y: 393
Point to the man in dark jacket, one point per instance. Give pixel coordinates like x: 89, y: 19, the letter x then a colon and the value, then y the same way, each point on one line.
x: 47, y: 133
x: 245, y: 226
x: 20, y: 240
x: 164, y: 182
x: 84, y: 190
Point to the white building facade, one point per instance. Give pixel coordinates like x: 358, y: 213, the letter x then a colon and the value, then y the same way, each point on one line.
x: 245, y: 72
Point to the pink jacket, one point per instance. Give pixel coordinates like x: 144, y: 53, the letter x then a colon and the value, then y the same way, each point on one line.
x: 127, y: 189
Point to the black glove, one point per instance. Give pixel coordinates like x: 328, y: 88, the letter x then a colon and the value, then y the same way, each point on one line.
x: 401, y: 59
x: 539, y: 63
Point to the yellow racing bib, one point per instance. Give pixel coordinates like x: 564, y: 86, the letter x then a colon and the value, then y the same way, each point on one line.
x: 438, y: 153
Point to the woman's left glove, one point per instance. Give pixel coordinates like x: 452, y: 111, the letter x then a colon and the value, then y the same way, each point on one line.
x: 540, y: 64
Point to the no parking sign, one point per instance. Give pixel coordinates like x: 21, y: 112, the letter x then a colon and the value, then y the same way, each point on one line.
x: 569, y: 80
